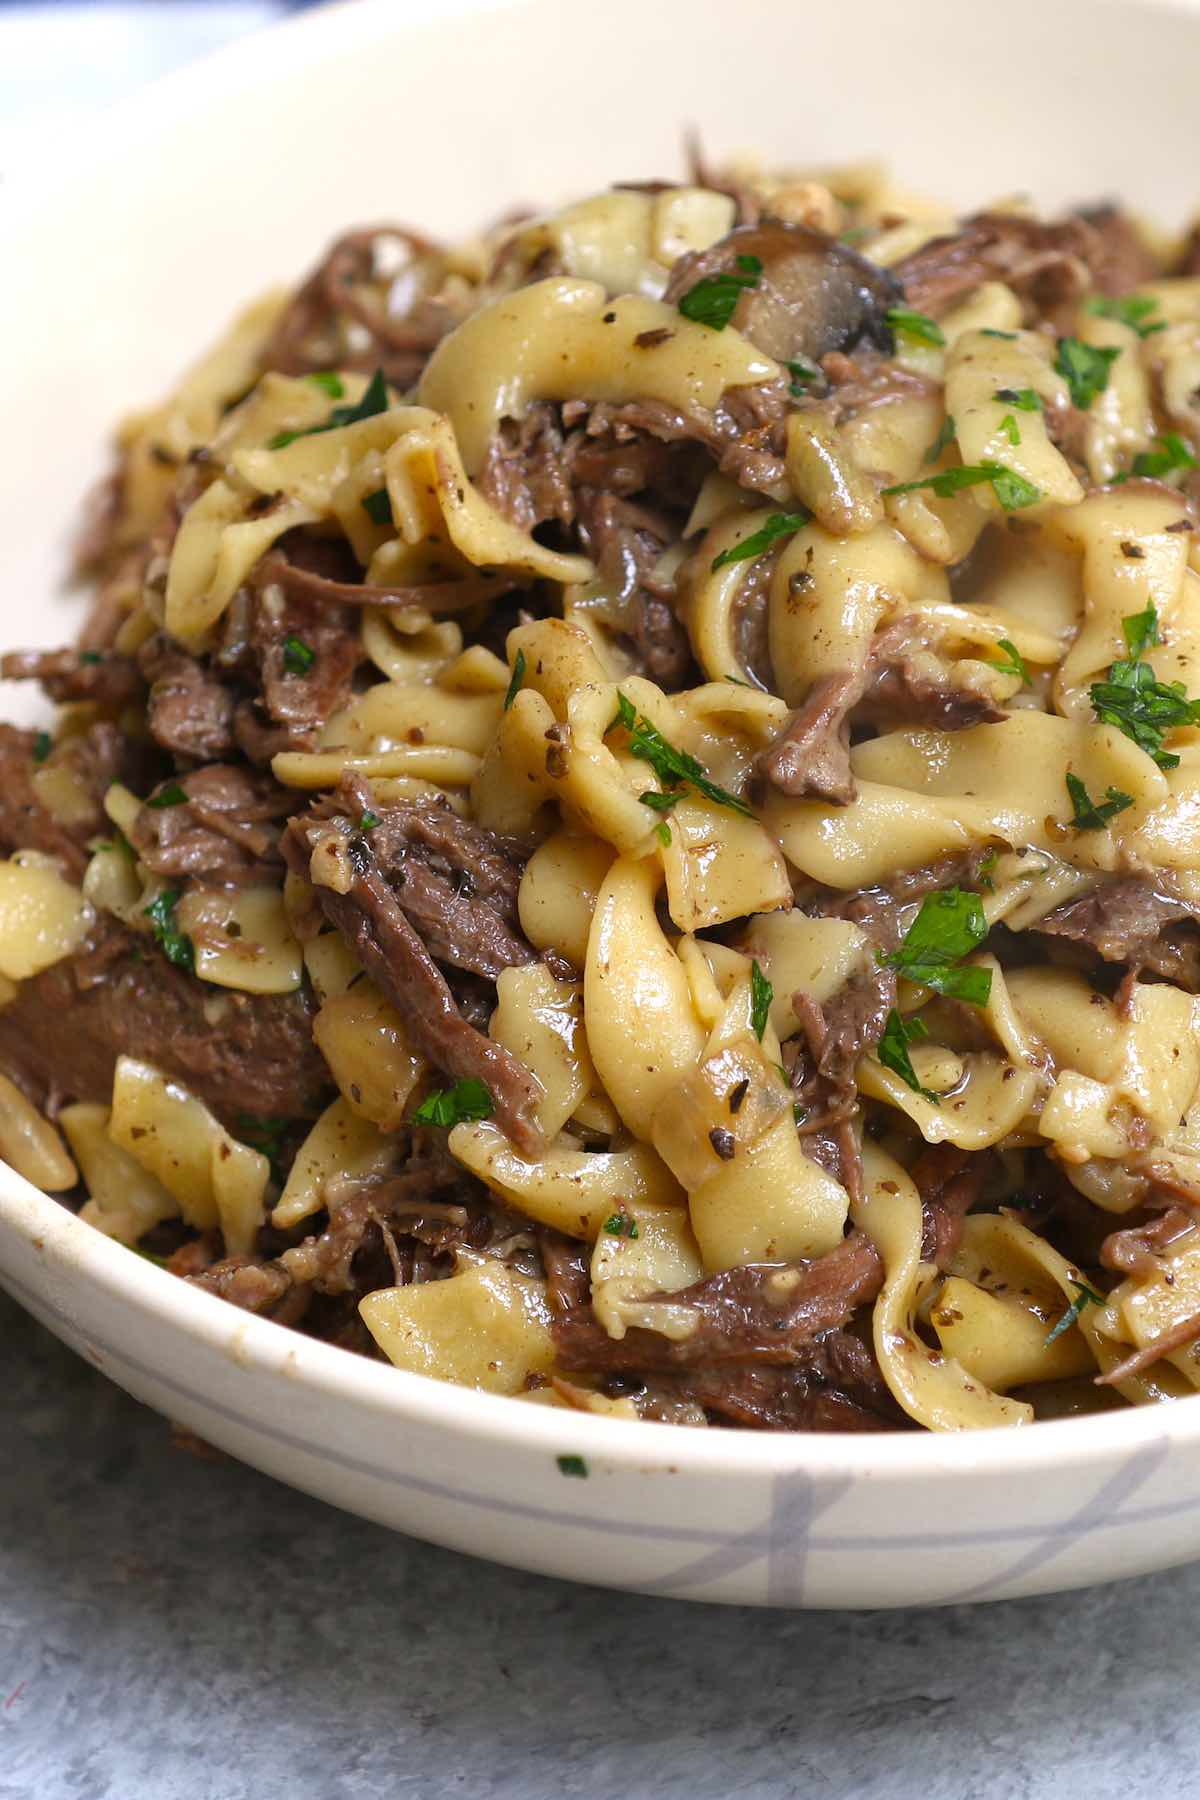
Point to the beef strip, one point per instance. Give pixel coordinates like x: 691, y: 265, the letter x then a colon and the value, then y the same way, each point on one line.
x: 1128, y: 920
x: 565, y: 1265
x: 189, y: 711
x: 305, y: 649
x: 813, y: 294
x: 1138, y: 1249
x: 97, y: 758
x: 1049, y: 265
x: 370, y: 917
x: 443, y: 597
x: 105, y: 678
x: 832, y: 1038
x: 838, y: 1387
x: 626, y: 543
x: 341, y: 317
x: 240, y: 1053
x: 456, y: 882
x: 525, y: 474
x: 899, y: 682
x: 226, y: 829
x: 950, y: 1182
x: 749, y: 1315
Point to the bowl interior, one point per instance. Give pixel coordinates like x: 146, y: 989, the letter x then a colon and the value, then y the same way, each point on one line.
x: 233, y: 175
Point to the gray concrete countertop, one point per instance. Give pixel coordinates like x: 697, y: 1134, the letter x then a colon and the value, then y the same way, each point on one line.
x: 178, y: 1629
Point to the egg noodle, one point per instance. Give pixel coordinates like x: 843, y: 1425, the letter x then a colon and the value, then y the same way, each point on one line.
x: 625, y: 827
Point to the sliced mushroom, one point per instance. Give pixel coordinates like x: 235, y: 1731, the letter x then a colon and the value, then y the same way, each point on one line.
x: 813, y: 294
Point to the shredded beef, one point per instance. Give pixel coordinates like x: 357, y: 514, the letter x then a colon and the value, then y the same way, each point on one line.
x: 565, y: 1265
x: 838, y: 1387
x: 753, y: 1314
x: 1129, y: 920
x: 190, y: 712
x: 105, y: 678
x: 340, y: 318
x: 908, y: 685
x: 1138, y: 1249
x: 1049, y: 265
x: 240, y: 1053
x: 878, y: 909
x: 369, y: 915
x: 626, y: 543
x: 305, y: 648
x: 97, y: 758
x: 225, y: 829
x: 811, y: 757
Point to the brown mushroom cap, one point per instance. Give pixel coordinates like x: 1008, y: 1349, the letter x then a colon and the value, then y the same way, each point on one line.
x: 814, y: 294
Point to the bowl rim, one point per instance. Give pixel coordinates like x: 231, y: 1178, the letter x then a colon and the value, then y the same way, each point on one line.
x: 75, y: 1251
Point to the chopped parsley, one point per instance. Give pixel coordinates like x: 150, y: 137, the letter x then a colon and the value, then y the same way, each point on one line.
x: 1011, y: 429
x: 1011, y: 490
x: 1094, y: 815
x: 713, y: 301
x: 620, y: 1224
x: 987, y: 869
x: 1130, y: 309
x: 777, y: 526
x: 1084, y: 1296
x: 1024, y: 399
x: 1084, y: 368
x: 1012, y: 662
x: 266, y: 1136
x: 673, y: 767
x: 1010, y: 337
x: 662, y: 832
x: 374, y: 400
x: 943, y: 440
x: 915, y: 325
x: 1172, y: 454
x: 328, y: 382
x: 90, y: 658
x: 175, y: 945
x: 802, y: 374
x: 171, y: 795
x: 43, y: 743
x: 1136, y: 702
x: 518, y: 676
x: 948, y: 927
x: 378, y: 507
x: 761, y: 996
x: 298, y: 657
x: 369, y: 820
x: 466, y: 1101
x: 892, y: 1051
x: 572, y: 1465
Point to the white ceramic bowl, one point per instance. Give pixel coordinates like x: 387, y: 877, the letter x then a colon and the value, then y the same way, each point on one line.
x: 119, y: 264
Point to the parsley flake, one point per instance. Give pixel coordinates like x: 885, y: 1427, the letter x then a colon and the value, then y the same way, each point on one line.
x: 518, y: 676
x: 777, y: 526
x: 673, y: 767
x: 713, y: 301
x: 374, y: 400
x: 328, y: 382
x: 1172, y: 454
x: 892, y: 1051
x: 761, y: 996
x: 802, y: 373
x: 948, y: 927
x: 1094, y: 815
x: 298, y: 657
x: 378, y: 507
x: 572, y: 1465
x: 1011, y: 429
x: 943, y: 440
x: 1084, y: 368
x: 620, y: 1224
x: 175, y: 945
x: 1136, y: 702
x: 915, y: 325
x: 1012, y: 490
x: 171, y: 795
x: 465, y: 1102
x: 1010, y: 337
x: 43, y: 743
x: 369, y: 820
x: 1129, y: 309
x: 1012, y: 662
x: 662, y: 832
x: 1084, y: 1296
x: 1024, y: 399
